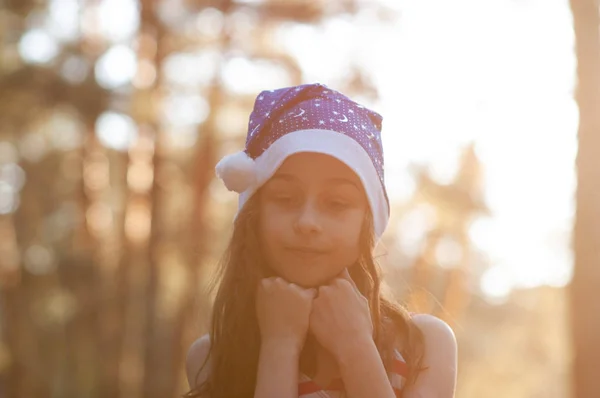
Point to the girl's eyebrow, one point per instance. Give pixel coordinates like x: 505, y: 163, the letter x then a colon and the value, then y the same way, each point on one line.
x: 284, y: 176
x: 343, y: 181
x: 330, y: 181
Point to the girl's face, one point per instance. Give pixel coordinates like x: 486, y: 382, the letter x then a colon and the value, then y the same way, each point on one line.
x: 311, y: 215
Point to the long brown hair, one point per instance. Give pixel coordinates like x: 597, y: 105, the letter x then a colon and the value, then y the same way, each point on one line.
x: 234, y: 333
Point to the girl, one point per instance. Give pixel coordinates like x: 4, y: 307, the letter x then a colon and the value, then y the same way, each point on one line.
x: 299, y: 310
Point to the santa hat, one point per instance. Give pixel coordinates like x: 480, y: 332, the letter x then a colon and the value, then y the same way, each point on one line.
x: 309, y: 118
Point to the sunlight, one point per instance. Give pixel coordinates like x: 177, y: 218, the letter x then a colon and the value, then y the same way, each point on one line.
x: 508, y: 90
x: 191, y: 70
x: 116, y: 131
x: 8, y: 203
x: 12, y: 180
x: 236, y: 71
x: 210, y: 22
x: 413, y: 228
x: 118, y: 19
x: 496, y: 283
x: 441, y: 86
x: 63, y: 21
x: 184, y: 109
x: 37, y: 46
x: 116, y: 67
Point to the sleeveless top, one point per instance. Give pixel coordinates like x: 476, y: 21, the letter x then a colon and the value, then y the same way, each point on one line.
x: 309, y: 389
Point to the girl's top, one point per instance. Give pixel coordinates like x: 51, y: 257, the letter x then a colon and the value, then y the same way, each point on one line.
x: 309, y: 389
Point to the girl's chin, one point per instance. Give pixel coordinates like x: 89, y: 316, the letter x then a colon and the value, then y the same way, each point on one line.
x: 307, y: 276
x: 310, y: 281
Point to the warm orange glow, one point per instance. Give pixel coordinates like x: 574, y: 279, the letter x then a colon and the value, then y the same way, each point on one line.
x: 96, y: 172
x: 99, y: 218
x: 140, y: 177
x: 137, y: 222
x: 145, y: 76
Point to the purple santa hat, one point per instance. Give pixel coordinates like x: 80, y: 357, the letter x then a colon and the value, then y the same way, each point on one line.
x: 309, y: 118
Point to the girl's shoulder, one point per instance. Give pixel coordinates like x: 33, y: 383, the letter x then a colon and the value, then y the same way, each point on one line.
x: 438, y: 336
x: 434, y: 329
x: 195, y: 359
x: 439, y: 360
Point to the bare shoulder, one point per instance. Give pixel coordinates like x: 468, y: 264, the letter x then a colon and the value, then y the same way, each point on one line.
x: 439, y: 360
x: 435, y: 329
x: 196, y: 356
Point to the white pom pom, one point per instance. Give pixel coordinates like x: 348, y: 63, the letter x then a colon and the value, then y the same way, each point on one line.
x: 238, y: 171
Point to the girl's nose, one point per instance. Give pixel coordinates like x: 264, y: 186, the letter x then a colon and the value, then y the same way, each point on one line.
x: 308, y: 219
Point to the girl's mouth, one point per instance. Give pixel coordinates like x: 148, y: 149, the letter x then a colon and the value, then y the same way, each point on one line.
x: 305, y: 250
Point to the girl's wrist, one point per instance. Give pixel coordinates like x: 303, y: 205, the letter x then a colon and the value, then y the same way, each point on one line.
x: 284, y: 347
x: 356, y: 350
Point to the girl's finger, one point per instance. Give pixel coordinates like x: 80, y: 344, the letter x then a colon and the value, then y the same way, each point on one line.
x: 266, y: 282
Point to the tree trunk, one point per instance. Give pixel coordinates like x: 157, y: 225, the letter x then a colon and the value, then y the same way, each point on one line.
x: 585, y: 304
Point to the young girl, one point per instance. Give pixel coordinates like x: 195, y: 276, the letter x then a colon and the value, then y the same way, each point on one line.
x: 299, y: 311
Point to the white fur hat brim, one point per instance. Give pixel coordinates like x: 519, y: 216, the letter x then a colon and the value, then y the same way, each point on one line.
x: 245, y: 176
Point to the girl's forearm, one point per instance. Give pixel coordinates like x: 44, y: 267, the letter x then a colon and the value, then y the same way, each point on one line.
x: 277, y: 371
x: 363, y: 372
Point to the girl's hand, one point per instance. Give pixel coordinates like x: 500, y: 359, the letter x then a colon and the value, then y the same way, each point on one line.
x: 283, y: 311
x: 340, y: 317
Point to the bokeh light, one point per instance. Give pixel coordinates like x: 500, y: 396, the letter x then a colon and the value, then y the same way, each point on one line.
x: 12, y: 180
x: 75, y: 69
x: 210, y: 22
x: 265, y: 75
x: 116, y: 131
x: 145, y: 76
x: 65, y: 130
x: 8, y: 198
x: 118, y: 20
x: 99, y: 218
x: 191, y: 70
x: 37, y: 46
x: 96, y: 175
x: 497, y: 284
x: 184, y: 109
x: 116, y: 67
x: 63, y: 19
x: 413, y: 228
x: 181, y: 137
x: 33, y: 146
x: 140, y: 177
x: 39, y: 260
x: 138, y: 222
x: 449, y: 252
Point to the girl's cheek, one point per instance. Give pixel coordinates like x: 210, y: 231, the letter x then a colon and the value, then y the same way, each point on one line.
x: 275, y: 222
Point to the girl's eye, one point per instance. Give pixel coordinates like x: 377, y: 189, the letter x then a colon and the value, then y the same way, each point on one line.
x: 338, y: 204
x: 283, y: 199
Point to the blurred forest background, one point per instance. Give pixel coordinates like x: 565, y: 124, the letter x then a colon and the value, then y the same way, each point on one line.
x: 112, y: 116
